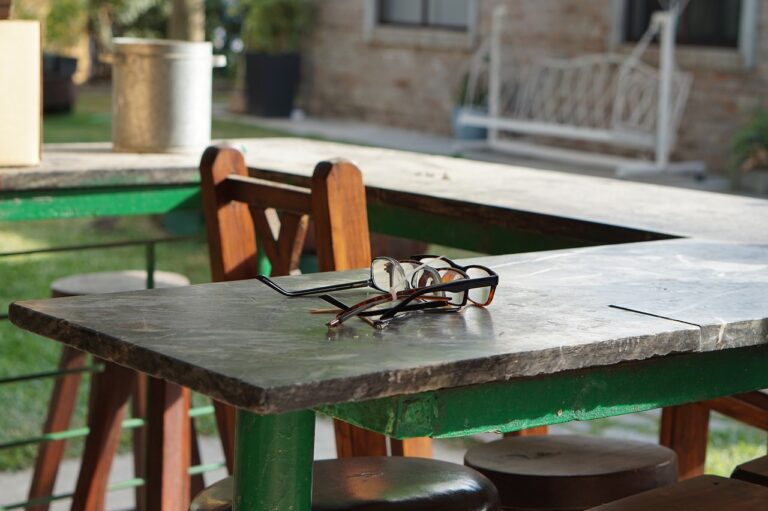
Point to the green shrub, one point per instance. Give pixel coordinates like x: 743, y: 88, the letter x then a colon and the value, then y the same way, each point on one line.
x: 749, y: 147
x: 275, y: 26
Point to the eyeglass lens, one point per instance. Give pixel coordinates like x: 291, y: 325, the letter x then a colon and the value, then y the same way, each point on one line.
x: 479, y: 295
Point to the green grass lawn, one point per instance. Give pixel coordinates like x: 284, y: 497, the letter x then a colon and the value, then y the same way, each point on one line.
x: 92, y: 122
x: 30, y: 277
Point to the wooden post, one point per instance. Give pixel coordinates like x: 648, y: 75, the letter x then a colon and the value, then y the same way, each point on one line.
x: 231, y: 237
x: 685, y: 429
x: 274, y: 452
x: 60, y: 408
x: 110, y: 391
x: 168, y: 459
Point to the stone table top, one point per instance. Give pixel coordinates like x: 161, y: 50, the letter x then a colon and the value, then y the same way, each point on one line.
x: 581, y: 207
x: 554, y: 311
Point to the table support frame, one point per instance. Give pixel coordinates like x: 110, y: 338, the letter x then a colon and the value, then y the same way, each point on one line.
x: 273, y: 461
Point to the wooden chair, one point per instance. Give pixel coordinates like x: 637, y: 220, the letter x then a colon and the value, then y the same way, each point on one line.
x: 165, y: 406
x: 240, y: 210
x: 685, y: 428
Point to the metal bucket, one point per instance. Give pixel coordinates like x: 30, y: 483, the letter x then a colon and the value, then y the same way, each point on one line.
x: 161, y: 96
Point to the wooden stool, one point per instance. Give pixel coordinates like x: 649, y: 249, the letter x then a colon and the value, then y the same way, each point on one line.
x: 381, y: 484
x: 705, y: 493
x: 755, y: 471
x: 110, y: 390
x: 570, y: 472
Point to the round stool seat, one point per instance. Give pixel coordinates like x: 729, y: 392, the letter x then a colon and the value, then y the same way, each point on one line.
x: 113, y: 282
x: 381, y: 484
x: 755, y: 471
x: 705, y: 493
x: 570, y: 472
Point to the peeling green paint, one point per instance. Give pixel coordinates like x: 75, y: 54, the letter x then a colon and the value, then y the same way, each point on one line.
x: 573, y: 395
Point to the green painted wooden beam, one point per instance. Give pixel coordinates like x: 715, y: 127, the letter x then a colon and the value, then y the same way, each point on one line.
x: 273, y: 461
x: 149, y: 200
x: 101, y: 201
x: 573, y: 395
x: 468, y: 234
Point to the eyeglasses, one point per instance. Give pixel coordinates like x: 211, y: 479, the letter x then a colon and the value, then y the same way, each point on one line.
x: 387, y: 275
x: 456, y: 287
x: 421, y: 283
x: 482, y: 296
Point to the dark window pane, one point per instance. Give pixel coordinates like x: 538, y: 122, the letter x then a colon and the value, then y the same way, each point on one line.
x: 703, y: 22
x: 448, y: 13
x: 400, y: 12
x: 424, y: 13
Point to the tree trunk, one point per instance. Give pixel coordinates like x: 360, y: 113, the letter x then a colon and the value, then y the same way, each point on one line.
x: 187, y: 20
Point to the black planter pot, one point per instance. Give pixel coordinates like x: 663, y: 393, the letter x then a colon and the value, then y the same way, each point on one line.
x: 271, y: 82
x: 58, y: 88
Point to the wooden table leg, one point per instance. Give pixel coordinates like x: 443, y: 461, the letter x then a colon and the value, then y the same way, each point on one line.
x: 139, y: 410
x: 60, y: 409
x: 110, y: 391
x: 273, y: 461
x: 413, y: 447
x: 168, y: 443
x: 534, y: 431
x: 684, y: 429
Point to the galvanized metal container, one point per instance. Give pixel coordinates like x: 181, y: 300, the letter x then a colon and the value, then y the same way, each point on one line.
x: 161, y: 95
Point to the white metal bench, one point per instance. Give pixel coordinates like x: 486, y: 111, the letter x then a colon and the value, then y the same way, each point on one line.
x: 611, y: 99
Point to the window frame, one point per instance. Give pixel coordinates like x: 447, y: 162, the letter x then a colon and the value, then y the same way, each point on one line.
x: 420, y: 36
x: 746, y: 47
x: 424, y: 23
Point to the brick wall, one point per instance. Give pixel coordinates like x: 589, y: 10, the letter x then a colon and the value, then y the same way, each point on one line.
x: 394, y: 77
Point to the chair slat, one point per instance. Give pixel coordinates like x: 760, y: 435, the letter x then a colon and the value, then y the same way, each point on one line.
x: 259, y: 193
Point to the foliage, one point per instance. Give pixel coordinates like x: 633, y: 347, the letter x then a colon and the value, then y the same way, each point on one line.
x: 136, y: 18
x: 65, y: 23
x: 749, y: 147
x: 275, y: 26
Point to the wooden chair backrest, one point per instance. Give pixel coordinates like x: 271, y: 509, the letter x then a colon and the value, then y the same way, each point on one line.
x: 240, y: 210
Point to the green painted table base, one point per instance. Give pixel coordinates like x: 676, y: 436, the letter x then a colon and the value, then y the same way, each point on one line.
x: 273, y: 461
x: 274, y: 452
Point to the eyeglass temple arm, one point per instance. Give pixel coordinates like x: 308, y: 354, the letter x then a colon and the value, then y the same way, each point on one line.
x: 304, y: 292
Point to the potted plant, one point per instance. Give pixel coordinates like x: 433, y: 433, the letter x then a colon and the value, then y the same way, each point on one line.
x: 749, y: 155
x: 64, y: 25
x: 272, y: 32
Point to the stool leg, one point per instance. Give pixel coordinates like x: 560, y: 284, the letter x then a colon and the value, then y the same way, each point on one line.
x: 169, y: 453
x: 354, y: 441
x: 60, y: 408
x: 413, y: 447
x: 197, y: 483
x: 225, y: 422
x: 139, y: 409
x: 684, y: 429
x: 534, y: 431
x: 110, y: 391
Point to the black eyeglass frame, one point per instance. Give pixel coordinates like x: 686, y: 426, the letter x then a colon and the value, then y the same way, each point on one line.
x: 413, y: 294
x: 369, y: 282
x: 454, y: 264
